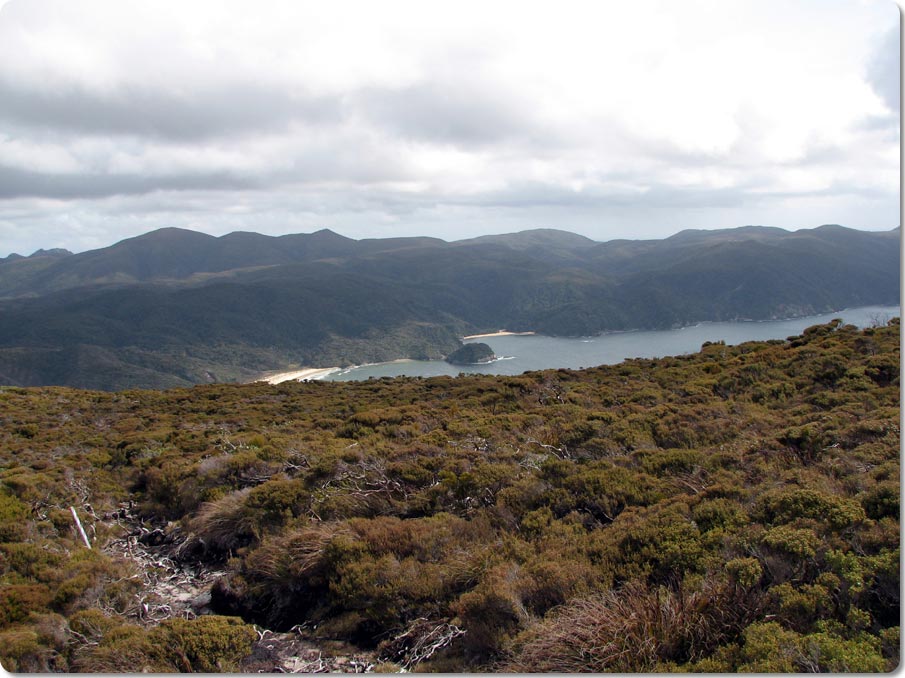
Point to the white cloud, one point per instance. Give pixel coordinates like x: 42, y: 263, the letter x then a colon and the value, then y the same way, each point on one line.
x: 403, y: 116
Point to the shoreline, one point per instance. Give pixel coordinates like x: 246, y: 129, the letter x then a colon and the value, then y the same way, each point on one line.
x: 319, y: 373
x: 304, y: 374
x: 499, y: 333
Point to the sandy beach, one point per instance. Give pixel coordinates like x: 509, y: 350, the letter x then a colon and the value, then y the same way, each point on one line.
x: 500, y: 333
x: 300, y: 375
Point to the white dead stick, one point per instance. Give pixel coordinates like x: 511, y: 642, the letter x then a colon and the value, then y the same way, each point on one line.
x: 78, y: 524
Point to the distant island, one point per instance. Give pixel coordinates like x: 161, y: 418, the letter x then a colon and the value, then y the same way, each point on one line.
x: 471, y: 354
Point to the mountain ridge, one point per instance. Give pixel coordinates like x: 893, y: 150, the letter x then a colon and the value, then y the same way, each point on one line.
x: 176, y: 307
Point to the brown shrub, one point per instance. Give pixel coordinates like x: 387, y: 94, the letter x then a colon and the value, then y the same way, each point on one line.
x: 224, y: 524
x: 18, y: 600
x: 634, y: 629
x: 491, y: 613
x: 287, y: 575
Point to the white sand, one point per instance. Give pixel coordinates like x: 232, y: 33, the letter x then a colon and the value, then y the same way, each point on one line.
x: 501, y: 333
x: 299, y: 375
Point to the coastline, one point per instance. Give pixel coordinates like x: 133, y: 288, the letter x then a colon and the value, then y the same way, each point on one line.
x: 500, y: 333
x: 315, y: 373
x: 305, y: 374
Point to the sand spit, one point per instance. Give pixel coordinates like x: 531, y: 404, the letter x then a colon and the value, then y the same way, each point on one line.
x: 306, y: 374
x: 500, y: 333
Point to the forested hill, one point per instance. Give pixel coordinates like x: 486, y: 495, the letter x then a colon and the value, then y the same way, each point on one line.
x: 175, y: 307
x: 736, y: 509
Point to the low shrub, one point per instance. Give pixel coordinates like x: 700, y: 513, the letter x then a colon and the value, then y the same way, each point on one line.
x: 18, y: 600
x: 223, y: 525
x: 633, y: 629
x: 769, y: 648
x: 204, y: 645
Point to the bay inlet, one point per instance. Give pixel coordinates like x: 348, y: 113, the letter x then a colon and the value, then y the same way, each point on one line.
x: 519, y: 353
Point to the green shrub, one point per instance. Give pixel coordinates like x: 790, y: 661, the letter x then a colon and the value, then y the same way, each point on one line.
x: 661, y: 543
x: 718, y: 513
x: 30, y: 561
x: 882, y: 500
x: 210, y: 644
x: 788, y: 505
x: 13, y: 514
x: 746, y: 572
x: 123, y: 649
x: 277, y: 501
x: 799, y: 544
x: 671, y: 462
x: 828, y: 653
x: 800, y: 606
x: 769, y: 648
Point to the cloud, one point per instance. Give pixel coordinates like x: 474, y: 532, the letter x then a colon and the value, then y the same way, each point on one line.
x: 883, y: 70
x: 217, y: 110
x: 399, y: 116
x: 18, y: 183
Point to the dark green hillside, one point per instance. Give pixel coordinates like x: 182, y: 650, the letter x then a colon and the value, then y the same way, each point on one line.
x: 174, y: 307
x: 756, y: 280
x: 547, y: 243
x: 224, y: 326
x: 179, y: 255
x: 732, y: 510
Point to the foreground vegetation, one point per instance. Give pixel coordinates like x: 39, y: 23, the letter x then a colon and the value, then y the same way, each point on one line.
x: 732, y: 510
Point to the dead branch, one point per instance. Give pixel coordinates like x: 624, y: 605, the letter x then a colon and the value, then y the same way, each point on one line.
x: 78, y: 524
x: 561, y: 452
x: 420, y: 641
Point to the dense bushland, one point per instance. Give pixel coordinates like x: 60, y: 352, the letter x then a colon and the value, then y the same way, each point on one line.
x: 732, y: 510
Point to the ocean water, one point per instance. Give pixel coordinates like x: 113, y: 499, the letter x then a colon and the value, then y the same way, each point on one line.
x: 519, y: 354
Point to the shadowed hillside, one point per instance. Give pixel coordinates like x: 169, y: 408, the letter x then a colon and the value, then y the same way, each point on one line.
x: 175, y: 307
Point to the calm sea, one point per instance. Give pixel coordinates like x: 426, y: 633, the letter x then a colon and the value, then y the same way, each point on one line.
x: 519, y: 354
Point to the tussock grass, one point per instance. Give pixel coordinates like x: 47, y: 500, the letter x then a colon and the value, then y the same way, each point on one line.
x: 633, y: 629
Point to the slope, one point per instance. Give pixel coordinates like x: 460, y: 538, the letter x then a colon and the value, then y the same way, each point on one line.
x: 175, y: 307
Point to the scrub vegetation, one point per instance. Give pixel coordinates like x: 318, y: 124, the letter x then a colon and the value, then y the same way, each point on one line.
x: 732, y: 510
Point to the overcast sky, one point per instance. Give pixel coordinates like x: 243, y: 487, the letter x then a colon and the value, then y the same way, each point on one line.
x: 609, y: 118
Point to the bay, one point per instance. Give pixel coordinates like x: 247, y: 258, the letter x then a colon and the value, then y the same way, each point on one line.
x: 521, y: 353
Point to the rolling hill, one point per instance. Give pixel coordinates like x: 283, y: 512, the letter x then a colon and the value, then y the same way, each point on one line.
x: 176, y: 307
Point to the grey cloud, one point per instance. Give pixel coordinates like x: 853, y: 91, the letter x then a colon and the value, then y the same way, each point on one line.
x: 883, y: 70
x: 19, y: 183
x: 534, y: 195
x: 654, y: 196
x: 344, y: 163
x: 528, y: 195
x: 444, y: 112
x: 161, y: 113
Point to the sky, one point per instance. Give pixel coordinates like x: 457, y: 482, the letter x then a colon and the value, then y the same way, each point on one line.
x: 612, y: 119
